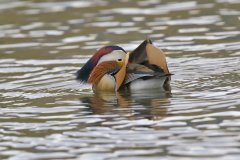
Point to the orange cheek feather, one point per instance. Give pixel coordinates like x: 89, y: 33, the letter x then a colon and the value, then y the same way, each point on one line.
x: 100, y: 70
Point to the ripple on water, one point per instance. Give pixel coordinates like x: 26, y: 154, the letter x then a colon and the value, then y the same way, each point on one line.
x: 79, y: 39
x: 46, y: 114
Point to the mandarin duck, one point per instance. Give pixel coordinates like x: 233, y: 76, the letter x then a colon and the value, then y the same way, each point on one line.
x: 111, y: 68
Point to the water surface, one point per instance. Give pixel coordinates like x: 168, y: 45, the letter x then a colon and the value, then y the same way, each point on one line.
x: 46, y: 114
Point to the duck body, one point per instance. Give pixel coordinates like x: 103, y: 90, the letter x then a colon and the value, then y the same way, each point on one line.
x: 113, y: 69
x: 152, y: 83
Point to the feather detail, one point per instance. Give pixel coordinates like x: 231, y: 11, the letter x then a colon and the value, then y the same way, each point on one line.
x: 120, y: 76
x: 157, y: 57
x: 101, y: 69
x: 132, y: 77
x: 138, y: 71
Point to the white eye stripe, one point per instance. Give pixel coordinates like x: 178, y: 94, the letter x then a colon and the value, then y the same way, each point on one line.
x: 116, y: 55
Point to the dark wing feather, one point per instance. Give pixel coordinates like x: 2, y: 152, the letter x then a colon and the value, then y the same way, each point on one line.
x: 139, y: 55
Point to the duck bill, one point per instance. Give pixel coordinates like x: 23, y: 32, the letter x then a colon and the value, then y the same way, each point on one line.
x: 120, y: 75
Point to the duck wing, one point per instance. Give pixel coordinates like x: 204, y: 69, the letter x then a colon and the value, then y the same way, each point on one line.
x: 146, y: 61
x: 138, y: 71
x: 148, y: 55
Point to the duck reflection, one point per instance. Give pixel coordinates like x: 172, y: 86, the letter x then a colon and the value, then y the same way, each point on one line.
x: 150, y: 104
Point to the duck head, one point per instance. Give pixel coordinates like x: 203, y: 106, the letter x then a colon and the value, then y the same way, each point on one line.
x: 105, y: 69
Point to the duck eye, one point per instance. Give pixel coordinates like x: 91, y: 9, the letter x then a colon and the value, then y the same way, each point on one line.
x: 119, y: 59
